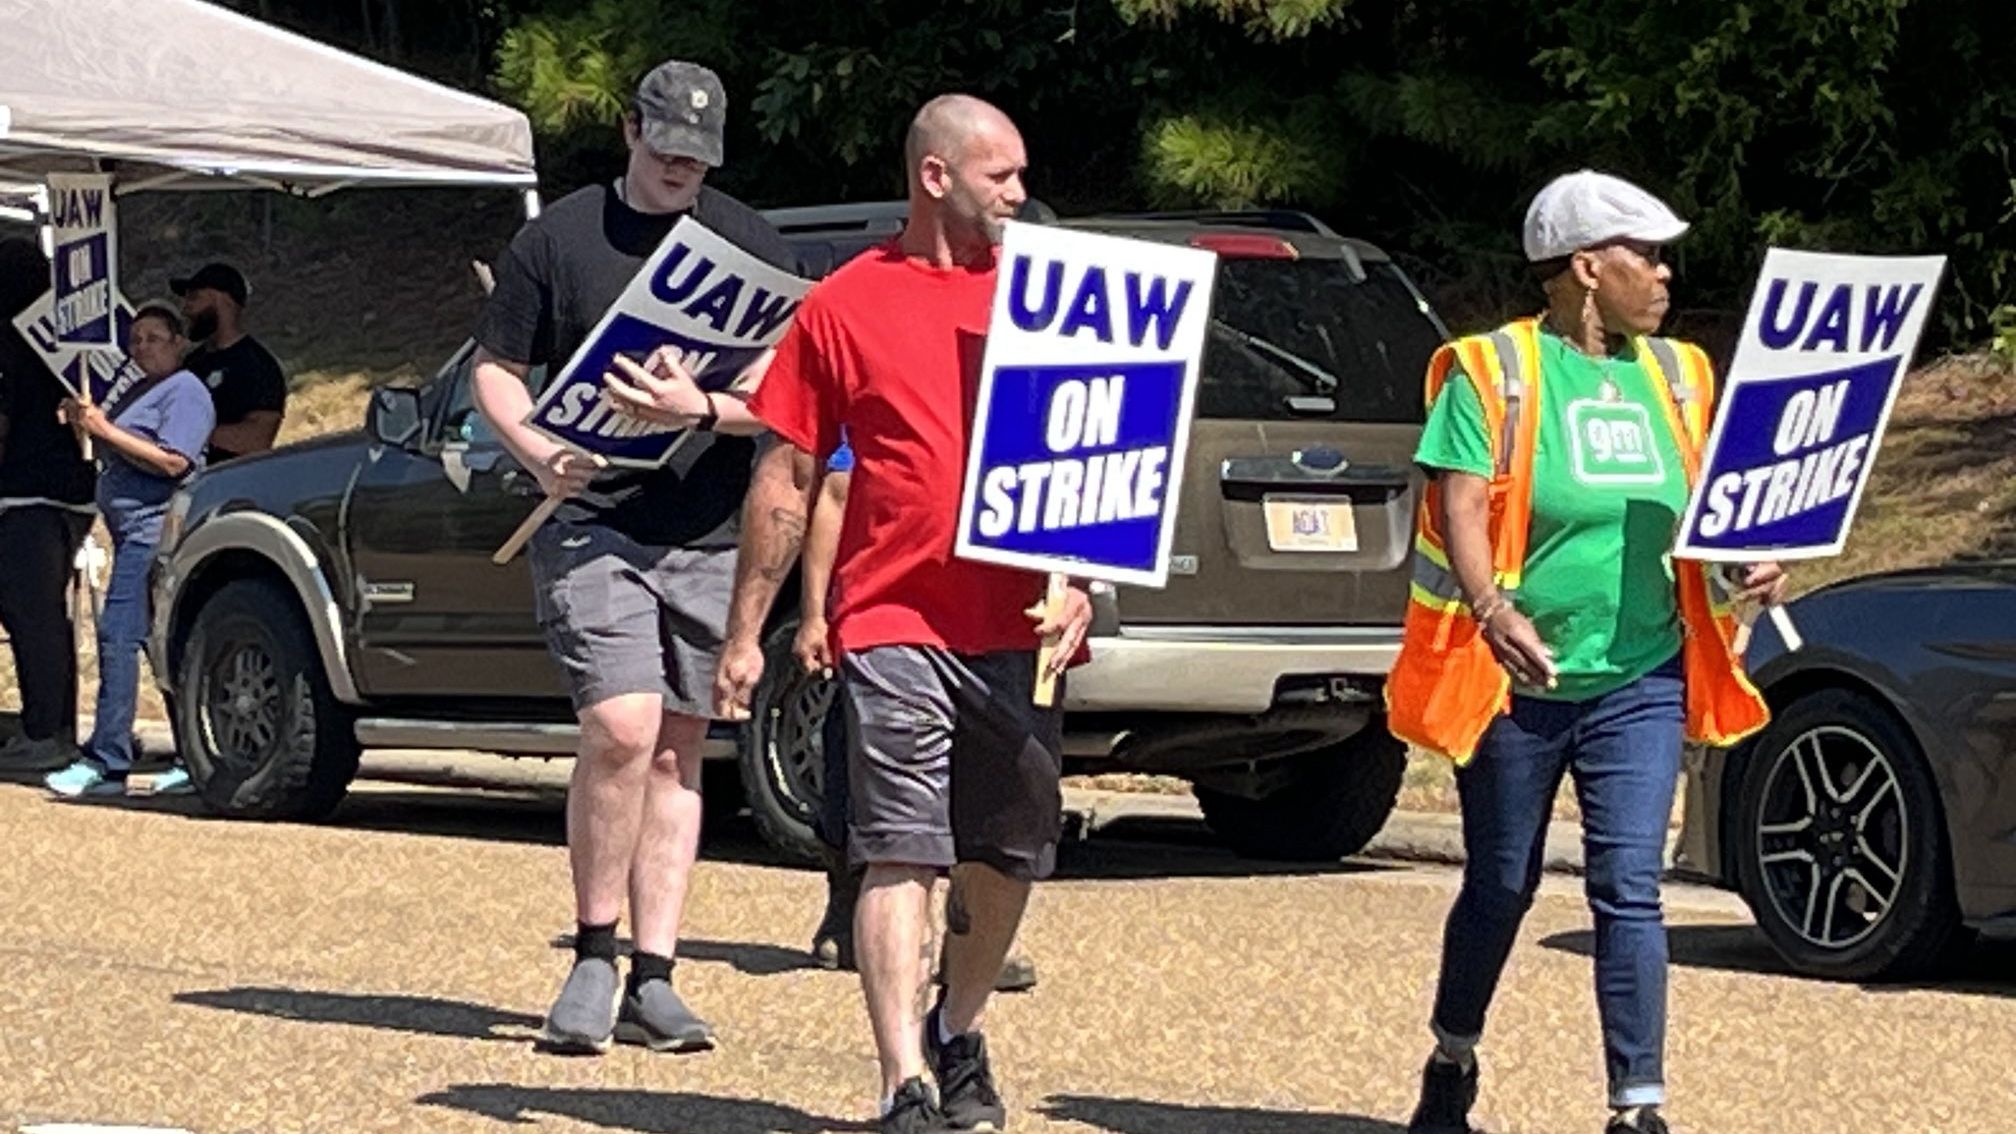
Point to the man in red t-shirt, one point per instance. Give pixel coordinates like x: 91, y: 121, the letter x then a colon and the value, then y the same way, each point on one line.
x: 951, y: 762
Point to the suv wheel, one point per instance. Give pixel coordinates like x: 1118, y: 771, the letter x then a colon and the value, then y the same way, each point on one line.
x: 1840, y: 844
x: 1336, y: 801
x: 783, y: 753
x: 255, y: 722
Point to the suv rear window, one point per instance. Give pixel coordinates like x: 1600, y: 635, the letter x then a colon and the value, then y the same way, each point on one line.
x: 1285, y: 329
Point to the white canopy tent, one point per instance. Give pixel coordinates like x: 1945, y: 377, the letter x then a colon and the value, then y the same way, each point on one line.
x: 182, y: 94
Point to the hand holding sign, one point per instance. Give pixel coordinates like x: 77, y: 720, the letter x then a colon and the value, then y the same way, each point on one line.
x: 567, y: 472
x: 661, y: 391
x: 1062, y: 619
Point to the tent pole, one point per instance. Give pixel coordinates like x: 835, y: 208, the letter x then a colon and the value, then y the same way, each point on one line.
x: 45, y: 222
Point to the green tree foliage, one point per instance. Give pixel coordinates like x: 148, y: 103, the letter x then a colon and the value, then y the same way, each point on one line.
x: 1853, y: 125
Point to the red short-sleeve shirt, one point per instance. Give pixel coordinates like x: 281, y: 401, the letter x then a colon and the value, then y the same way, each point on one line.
x: 889, y: 348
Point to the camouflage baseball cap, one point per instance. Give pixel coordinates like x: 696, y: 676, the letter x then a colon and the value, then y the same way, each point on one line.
x: 683, y: 111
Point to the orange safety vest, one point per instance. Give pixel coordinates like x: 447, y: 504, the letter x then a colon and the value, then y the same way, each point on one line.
x: 1446, y: 686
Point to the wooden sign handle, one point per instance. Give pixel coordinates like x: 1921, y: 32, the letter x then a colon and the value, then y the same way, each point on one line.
x: 84, y: 435
x: 1053, y: 605
x: 516, y: 543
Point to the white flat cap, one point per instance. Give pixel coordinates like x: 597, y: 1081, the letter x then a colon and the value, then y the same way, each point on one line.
x: 1584, y: 208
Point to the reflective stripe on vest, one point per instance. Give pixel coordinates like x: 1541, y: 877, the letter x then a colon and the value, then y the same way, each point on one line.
x: 1434, y: 584
x: 1511, y: 391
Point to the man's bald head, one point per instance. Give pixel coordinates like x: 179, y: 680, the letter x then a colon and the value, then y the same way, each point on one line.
x: 947, y: 127
x: 966, y: 161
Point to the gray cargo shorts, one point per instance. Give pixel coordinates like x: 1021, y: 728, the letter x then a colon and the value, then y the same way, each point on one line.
x: 621, y: 617
x: 950, y: 761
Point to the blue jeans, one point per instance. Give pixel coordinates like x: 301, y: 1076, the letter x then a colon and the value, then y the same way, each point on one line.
x: 1623, y: 750
x: 122, y: 635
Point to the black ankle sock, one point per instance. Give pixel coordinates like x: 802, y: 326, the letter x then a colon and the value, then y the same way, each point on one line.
x: 595, y: 941
x: 648, y: 966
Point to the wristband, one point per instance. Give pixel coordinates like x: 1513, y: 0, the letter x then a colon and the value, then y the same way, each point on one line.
x: 706, y: 422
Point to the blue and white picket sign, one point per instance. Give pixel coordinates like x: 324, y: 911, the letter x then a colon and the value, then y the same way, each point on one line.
x: 718, y: 305
x: 1825, y: 347
x: 85, y: 269
x: 98, y: 376
x: 1087, y: 385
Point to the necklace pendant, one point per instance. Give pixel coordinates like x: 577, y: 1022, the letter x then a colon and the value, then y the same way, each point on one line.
x: 1608, y: 391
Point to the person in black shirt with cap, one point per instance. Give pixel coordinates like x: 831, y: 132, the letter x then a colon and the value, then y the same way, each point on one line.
x: 632, y: 575
x: 245, y: 380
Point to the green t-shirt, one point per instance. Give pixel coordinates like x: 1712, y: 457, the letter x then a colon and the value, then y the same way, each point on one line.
x: 1608, y: 492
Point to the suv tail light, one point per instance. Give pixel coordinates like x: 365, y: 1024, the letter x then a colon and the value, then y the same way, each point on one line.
x: 1245, y: 245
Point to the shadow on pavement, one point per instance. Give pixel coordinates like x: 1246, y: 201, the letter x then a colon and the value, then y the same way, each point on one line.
x: 749, y: 958
x: 1152, y: 846
x: 1141, y: 1116
x: 1122, y: 848
x: 419, y: 1015
x: 1987, y: 969
x: 648, y: 1112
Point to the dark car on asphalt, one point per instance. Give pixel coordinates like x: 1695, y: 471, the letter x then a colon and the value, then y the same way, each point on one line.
x: 1872, y: 826
x: 340, y: 594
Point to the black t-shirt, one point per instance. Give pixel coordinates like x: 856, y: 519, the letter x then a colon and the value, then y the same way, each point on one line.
x: 39, y: 458
x: 563, y: 270
x: 243, y: 378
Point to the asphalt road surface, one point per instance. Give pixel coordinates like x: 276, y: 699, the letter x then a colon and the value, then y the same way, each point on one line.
x: 387, y: 971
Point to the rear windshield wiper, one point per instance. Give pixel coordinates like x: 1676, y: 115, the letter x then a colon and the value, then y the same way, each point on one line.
x: 1321, y: 380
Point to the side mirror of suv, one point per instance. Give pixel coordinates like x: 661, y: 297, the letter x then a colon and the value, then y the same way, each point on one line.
x: 394, y: 417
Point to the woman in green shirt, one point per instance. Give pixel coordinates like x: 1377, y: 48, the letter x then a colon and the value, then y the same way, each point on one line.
x: 1591, y: 640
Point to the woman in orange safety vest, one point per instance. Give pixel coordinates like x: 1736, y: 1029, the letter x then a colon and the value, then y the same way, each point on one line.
x: 1551, y: 633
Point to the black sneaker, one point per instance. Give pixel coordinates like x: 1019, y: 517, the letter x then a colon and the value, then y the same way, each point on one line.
x: 965, y: 1080
x: 913, y: 1111
x: 1648, y: 1122
x: 1448, y: 1091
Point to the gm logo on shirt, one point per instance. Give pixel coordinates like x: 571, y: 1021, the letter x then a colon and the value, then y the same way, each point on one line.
x: 1613, y: 444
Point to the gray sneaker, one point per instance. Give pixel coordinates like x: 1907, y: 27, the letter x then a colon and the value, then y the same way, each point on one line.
x: 24, y: 755
x: 583, y: 1020
x: 656, y: 1018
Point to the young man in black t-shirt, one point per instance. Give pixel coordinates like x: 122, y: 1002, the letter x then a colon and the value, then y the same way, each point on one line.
x: 46, y: 492
x: 633, y: 574
x: 245, y: 380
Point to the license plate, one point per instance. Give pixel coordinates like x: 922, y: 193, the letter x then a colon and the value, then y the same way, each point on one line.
x: 1310, y: 525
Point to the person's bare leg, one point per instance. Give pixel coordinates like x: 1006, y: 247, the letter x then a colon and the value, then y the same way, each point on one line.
x: 668, y: 840
x: 889, y: 930
x: 605, y: 800
x: 989, y: 906
x: 605, y: 808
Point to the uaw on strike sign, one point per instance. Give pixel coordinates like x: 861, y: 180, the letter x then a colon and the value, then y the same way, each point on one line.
x: 86, y: 265
x: 93, y: 374
x: 1086, y: 392
x: 1825, y: 347
x: 717, y: 306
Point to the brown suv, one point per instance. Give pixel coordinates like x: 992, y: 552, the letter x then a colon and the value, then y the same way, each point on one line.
x: 339, y: 594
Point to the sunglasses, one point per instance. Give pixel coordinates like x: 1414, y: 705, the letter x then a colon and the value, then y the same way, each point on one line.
x: 1652, y: 254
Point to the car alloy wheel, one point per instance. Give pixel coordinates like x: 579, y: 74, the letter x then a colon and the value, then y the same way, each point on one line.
x: 243, y: 705
x: 797, y: 742
x: 1834, y: 842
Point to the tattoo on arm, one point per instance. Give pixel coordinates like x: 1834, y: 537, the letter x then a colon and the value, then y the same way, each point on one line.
x: 780, y: 549
x: 773, y: 531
